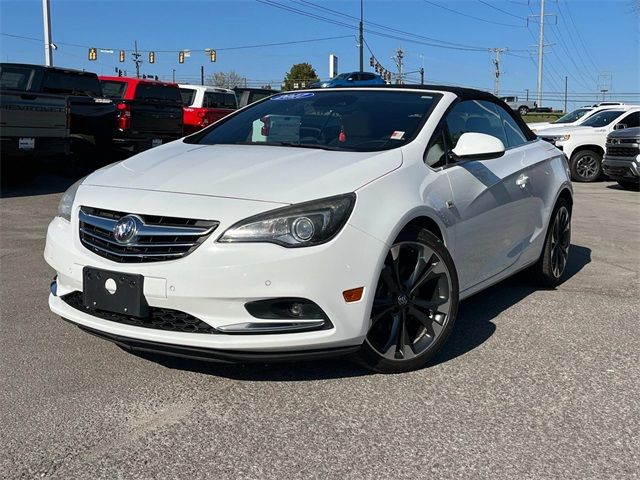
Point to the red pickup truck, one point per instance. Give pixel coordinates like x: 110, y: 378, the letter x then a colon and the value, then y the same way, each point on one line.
x: 205, y: 105
x: 149, y: 112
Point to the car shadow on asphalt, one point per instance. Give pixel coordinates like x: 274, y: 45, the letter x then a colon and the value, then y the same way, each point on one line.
x: 474, y: 324
x: 473, y: 327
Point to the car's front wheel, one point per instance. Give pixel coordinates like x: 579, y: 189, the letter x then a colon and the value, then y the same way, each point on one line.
x: 523, y: 110
x: 415, y: 304
x: 586, y: 166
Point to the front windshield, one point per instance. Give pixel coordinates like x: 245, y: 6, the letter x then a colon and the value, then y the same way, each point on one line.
x: 603, y: 118
x: 353, y: 120
x: 573, y: 116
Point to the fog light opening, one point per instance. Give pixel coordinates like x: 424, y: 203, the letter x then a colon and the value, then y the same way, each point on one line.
x: 353, y: 295
x: 295, y: 309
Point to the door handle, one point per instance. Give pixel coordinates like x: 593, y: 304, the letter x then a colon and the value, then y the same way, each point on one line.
x: 522, y: 181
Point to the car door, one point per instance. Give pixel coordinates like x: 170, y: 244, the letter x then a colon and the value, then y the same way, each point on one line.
x: 489, y: 201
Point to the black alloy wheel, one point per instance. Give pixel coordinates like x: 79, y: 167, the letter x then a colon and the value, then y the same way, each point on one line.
x: 551, y: 266
x: 586, y: 166
x: 415, y: 305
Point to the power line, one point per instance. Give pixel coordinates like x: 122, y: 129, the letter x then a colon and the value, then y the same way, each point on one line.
x: 371, y: 31
x: 575, y: 46
x: 195, y: 49
x: 384, y: 27
x: 471, y: 16
x: 503, y: 11
x: 588, y: 55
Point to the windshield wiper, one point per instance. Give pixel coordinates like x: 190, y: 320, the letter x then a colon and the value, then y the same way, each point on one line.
x: 295, y: 144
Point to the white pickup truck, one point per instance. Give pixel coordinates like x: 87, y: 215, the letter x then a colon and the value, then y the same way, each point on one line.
x: 575, y: 117
x: 584, y: 145
x: 521, y: 106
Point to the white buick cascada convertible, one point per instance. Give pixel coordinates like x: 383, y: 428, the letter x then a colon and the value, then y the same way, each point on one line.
x: 311, y: 224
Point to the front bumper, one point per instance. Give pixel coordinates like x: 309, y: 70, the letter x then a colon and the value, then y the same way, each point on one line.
x: 220, y: 356
x: 622, y: 168
x: 215, y: 282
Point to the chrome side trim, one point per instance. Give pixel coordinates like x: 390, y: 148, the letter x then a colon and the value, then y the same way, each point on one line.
x: 275, y: 327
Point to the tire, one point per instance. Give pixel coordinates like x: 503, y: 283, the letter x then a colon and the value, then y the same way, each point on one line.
x: 551, y: 266
x: 627, y: 185
x: 415, y: 305
x: 523, y: 110
x: 586, y: 166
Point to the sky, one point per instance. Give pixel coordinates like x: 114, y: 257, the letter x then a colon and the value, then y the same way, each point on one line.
x: 450, y: 39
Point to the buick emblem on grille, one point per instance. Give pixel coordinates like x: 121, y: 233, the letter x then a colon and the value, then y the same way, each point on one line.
x: 125, y: 230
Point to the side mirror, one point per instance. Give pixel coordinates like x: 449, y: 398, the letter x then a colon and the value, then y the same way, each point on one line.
x: 619, y: 126
x: 478, y: 146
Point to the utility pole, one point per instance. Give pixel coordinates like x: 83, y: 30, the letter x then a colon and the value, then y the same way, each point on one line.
x: 541, y: 46
x: 48, y: 45
x: 496, y: 62
x: 540, y: 52
x: 398, y: 59
x: 174, y: 75
x: 527, y: 94
x: 421, y: 75
x: 361, y: 41
x: 604, y: 83
x: 202, y: 75
x: 565, y: 93
x: 136, y: 58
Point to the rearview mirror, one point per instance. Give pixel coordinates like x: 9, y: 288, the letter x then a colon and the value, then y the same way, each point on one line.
x: 478, y: 146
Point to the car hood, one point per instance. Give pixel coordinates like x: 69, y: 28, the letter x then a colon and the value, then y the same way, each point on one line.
x: 547, y: 132
x: 253, y: 172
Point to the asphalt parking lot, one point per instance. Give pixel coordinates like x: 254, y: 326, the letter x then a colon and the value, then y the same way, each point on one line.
x: 532, y: 383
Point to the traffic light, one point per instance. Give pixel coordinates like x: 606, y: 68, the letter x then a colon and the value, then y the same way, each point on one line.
x: 152, y: 57
x: 181, y: 57
x: 93, y: 54
x: 213, y: 55
x: 371, y: 61
x: 121, y: 57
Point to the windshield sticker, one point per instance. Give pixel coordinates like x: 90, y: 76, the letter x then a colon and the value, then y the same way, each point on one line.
x: 293, y: 96
x: 397, y: 135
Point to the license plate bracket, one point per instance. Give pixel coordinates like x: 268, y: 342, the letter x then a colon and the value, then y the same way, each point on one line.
x: 114, y: 292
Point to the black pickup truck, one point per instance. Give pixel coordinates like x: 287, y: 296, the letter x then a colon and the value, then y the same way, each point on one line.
x: 92, y: 116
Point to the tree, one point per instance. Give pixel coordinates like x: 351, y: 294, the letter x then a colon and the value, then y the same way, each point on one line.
x: 300, y: 73
x: 228, y: 79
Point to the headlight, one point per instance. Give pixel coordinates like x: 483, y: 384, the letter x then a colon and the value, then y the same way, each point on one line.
x: 560, y: 138
x: 302, y: 225
x: 66, y: 202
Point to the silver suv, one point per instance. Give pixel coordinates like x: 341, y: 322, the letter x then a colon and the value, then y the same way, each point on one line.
x: 622, y: 157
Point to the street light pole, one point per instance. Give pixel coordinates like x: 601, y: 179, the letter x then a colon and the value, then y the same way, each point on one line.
x: 48, y: 46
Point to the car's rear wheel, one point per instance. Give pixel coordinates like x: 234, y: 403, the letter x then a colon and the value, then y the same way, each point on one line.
x: 586, y: 166
x: 523, y: 110
x: 415, y: 304
x: 551, y: 265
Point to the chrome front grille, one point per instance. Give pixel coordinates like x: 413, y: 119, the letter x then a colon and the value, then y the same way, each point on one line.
x: 156, y: 238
